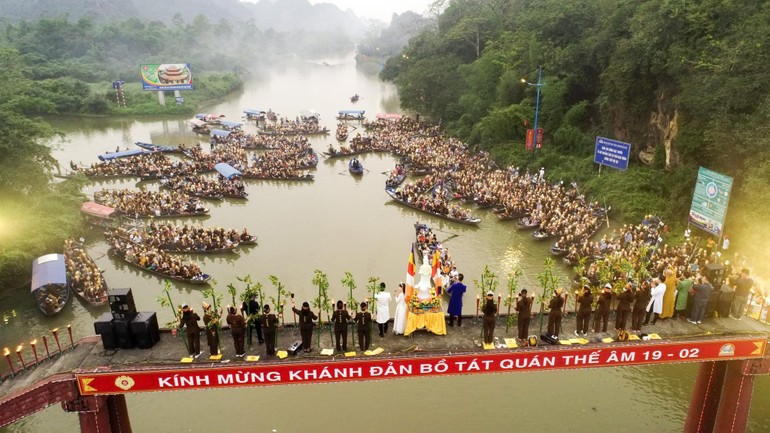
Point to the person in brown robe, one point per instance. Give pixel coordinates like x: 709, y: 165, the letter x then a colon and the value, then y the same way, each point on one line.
x: 490, y: 317
x: 211, y: 323
x: 305, y: 317
x: 189, y: 319
x: 585, y: 301
x: 364, y: 321
x: 524, y: 308
x: 554, y: 313
x: 341, y: 317
x: 269, y: 323
x: 237, y: 329
x: 602, y: 312
x: 625, y: 299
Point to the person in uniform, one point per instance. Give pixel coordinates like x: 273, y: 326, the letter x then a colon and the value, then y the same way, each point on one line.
x: 641, y: 298
x: 211, y: 323
x: 625, y: 299
x: 602, y: 312
x: 250, y: 309
x: 189, y: 319
x: 554, y: 313
x: 524, y: 308
x: 305, y: 317
x: 490, y: 317
x: 341, y: 317
x: 455, y: 309
x: 585, y: 301
x: 364, y: 321
x: 237, y: 329
x: 268, y: 323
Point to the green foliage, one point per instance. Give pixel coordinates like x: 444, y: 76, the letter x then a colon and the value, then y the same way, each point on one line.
x: 626, y: 70
x: 350, y: 283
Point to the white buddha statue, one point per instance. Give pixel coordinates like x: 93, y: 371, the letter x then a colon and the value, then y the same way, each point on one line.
x: 423, y: 287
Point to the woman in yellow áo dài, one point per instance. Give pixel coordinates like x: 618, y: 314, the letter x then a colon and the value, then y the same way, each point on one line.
x: 670, y: 296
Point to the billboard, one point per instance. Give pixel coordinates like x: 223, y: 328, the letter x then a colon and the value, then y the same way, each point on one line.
x: 166, y: 76
x: 709, y: 201
x: 612, y: 153
x: 531, y: 138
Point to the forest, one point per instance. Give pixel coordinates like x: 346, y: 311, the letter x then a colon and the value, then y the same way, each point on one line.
x: 684, y: 82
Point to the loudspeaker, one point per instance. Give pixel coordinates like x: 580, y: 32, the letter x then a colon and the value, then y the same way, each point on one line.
x: 123, y: 334
x: 550, y: 340
x: 725, y: 303
x: 716, y: 274
x: 103, y: 326
x: 295, y: 347
x: 144, y: 329
x: 711, y: 303
x: 121, y: 300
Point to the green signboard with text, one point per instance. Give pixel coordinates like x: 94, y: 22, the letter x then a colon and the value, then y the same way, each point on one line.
x: 710, y: 200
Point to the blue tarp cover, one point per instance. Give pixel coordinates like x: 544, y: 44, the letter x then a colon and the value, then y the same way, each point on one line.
x: 219, y: 133
x: 123, y: 154
x: 342, y: 112
x: 231, y: 124
x: 253, y: 111
x: 48, y: 269
x: 227, y: 170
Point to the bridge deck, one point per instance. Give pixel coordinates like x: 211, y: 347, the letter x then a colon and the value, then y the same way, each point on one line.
x: 22, y: 392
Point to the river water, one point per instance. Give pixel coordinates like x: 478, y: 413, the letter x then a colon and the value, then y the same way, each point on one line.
x: 336, y: 224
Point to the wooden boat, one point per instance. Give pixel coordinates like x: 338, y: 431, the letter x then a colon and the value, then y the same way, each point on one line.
x: 558, y: 251
x: 227, y: 250
x: 309, y: 159
x: 301, y: 178
x: 339, y: 154
x: 508, y: 217
x: 541, y: 235
x: 158, y: 148
x: 99, y: 215
x: 203, y: 280
x: 527, y: 223
x: 341, y: 136
x: 354, y: 98
x: 396, y: 181
x: 350, y: 115
x: 49, y: 283
x: 205, y: 196
x: 248, y: 240
x: 355, y: 167
x: 96, y: 296
x: 392, y: 194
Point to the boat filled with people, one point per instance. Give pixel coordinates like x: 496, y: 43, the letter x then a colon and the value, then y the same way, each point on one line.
x: 432, y: 206
x: 396, y: 176
x: 150, y: 204
x: 49, y: 283
x: 156, y: 261
x: 185, y: 238
x: 84, y: 276
x: 342, y: 132
x: 351, y: 115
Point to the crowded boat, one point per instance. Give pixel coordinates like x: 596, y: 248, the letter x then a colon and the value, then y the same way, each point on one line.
x: 185, y: 238
x: 143, y: 204
x: 84, y: 276
x: 156, y: 261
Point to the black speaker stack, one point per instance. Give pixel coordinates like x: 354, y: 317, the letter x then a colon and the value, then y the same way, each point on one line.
x: 123, y: 327
x: 716, y: 274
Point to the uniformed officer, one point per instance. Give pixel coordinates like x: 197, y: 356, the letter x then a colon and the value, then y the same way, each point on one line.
x: 625, y: 299
x: 341, y: 317
x: 189, y: 319
x: 641, y: 298
x: 268, y: 323
x: 554, y: 313
x: 602, y: 312
x: 237, y: 329
x: 524, y: 308
x: 364, y: 321
x: 211, y: 323
x: 305, y: 317
x: 585, y: 301
x: 490, y: 317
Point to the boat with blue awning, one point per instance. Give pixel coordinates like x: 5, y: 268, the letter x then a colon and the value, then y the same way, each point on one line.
x: 230, y: 125
x: 158, y: 147
x: 350, y: 114
x: 122, y: 154
x: 227, y: 171
x: 220, y: 133
x: 49, y: 283
x: 255, y: 114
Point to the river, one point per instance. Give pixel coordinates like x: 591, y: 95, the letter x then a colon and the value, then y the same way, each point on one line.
x: 336, y: 224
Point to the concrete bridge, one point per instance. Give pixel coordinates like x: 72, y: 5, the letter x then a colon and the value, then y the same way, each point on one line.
x: 93, y: 382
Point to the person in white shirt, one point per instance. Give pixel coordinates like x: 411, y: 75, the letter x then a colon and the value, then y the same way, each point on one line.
x: 655, y: 306
x: 383, y: 309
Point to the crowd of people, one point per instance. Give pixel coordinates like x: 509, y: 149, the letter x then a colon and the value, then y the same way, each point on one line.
x: 150, y: 204
x: 298, y: 126
x: 84, y: 276
x: 197, y: 186
x: 184, y: 238
x: 342, y: 131
x: 155, y: 260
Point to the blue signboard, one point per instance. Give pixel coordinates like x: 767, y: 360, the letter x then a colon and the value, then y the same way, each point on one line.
x: 612, y: 153
x: 710, y: 200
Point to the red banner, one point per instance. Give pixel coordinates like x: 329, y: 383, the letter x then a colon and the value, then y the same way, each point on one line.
x: 203, y: 376
x: 531, y: 137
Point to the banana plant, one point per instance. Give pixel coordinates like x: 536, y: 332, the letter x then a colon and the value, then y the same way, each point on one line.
x: 512, y: 288
x: 165, y: 301
x: 322, y: 302
x: 350, y: 283
x: 487, y: 283
x: 548, y: 282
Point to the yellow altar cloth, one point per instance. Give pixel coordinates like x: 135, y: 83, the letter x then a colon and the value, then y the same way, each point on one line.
x: 433, y: 322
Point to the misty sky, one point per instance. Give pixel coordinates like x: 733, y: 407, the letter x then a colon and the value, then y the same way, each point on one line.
x: 378, y: 9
